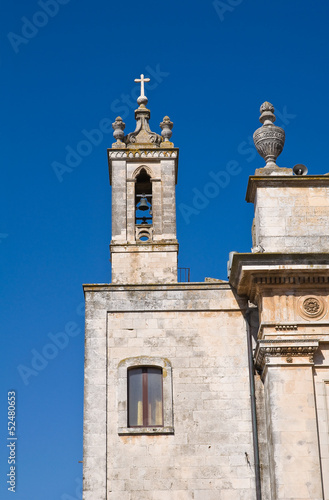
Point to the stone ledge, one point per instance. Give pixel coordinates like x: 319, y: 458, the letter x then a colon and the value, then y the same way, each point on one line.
x: 147, y: 246
x: 252, y: 270
x: 280, y: 181
x: 109, y: 287
x: 283, y: 351
x: 123, y: 431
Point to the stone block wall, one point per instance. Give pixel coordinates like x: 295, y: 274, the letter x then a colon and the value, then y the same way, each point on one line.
x: 149, y: 263
x: 291, y: 213
x: 200, y: 331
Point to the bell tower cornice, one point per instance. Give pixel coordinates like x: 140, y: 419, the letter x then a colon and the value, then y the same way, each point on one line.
x: 140, y: 154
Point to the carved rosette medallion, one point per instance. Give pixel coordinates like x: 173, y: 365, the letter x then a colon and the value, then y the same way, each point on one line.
x: 311, y: 307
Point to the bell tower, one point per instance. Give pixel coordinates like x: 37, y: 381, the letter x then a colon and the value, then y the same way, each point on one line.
x: 143, y: 174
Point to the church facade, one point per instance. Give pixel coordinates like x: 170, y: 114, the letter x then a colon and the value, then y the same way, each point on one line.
x: 214, y: 390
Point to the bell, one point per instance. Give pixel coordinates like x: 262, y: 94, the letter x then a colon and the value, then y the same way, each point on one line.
x: 143, y: 205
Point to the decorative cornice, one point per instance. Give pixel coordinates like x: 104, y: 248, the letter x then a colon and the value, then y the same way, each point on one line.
x: 286, y: 327
x: 143, y: 153
x: 291, y: 280
x: 137, y: 155
x: 286, y: 181
x: 252, y: 272
x: 288, y: 349
x: 318, y: 329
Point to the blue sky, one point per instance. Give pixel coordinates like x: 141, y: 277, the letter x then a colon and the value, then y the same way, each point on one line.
x: 63, y: 72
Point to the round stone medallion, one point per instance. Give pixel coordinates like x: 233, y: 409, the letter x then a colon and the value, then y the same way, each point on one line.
x: 311, y: 307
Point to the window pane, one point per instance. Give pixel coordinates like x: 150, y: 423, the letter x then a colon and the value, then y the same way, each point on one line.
x: 135, y: 396
x: 154, y: 396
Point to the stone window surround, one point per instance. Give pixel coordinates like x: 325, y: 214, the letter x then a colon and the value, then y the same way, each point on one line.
x: 136, y: 362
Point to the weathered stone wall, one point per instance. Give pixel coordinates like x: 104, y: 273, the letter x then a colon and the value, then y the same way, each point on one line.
x: 200, y: 330
x: 150, y: 263
x: 134, y: 261
x: 292, y: 215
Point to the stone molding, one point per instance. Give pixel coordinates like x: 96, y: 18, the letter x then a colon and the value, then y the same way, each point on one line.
x: 147, y: 169
x: 286, y: 327
x: 143, y: 153
x: 291, y: 280
x: 283, y: 181
x: 281, y: 352
x: 109, y: 287
x: 144, y: 246
x: 299, y: 329
x: 250, y: 273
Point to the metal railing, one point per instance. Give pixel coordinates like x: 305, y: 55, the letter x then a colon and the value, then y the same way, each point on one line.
x: 183, y: 274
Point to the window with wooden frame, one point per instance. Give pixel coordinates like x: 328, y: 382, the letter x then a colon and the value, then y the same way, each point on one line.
x: 145, y: 403
x: 145, y: 396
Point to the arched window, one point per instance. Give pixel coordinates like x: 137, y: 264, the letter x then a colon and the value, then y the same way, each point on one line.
x: 143, y: 198
x: 145, y: 401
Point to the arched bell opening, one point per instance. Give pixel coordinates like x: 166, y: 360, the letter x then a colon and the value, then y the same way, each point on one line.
x: 143, y: 203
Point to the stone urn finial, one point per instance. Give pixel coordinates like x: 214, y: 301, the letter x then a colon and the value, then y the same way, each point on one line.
x: 269, y: 139
x: 118, y: 133
x: 166, y: 126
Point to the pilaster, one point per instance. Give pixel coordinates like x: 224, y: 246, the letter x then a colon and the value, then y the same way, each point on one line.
x: 292, y: 294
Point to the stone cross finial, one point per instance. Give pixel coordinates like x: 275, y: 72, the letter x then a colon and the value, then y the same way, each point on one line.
x: 142, y: 80
x: 142, y: 100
